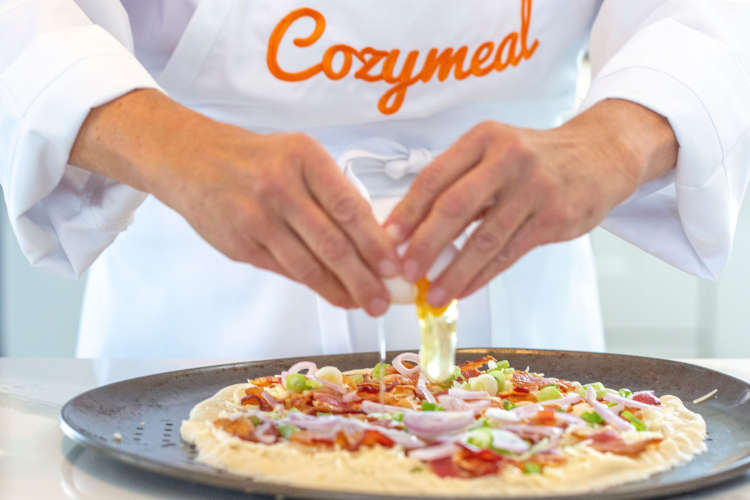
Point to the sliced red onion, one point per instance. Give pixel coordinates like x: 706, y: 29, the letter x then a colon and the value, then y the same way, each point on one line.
x: 422, y: 387
x: 528, y: 430
x: 545, y: 445
x: 408, y: 441
x: 506, y: 440
x: 614, y: 398
x: 564, y: 402
x: 569, y: 418
x: 398, y: 363
x: 312, y: 422
x: 297, y: 367
x: 268, y: 398
x: 260, y: 433
x: 463, y: 394
x: 434, y: 423
x: 434, y: 452
x: 373, y: 407
x: 336, y: 387
x: 451, y: 403
x: 606, y: 413
x: 527, y: 411
x: 350, y: 397
x: 499, y: 415
x: 478, y: 406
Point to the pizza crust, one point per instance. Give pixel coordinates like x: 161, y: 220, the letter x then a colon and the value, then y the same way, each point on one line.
x: 390, y: 471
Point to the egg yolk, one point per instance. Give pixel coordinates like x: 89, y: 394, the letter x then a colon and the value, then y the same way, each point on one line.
x: 423, y: 307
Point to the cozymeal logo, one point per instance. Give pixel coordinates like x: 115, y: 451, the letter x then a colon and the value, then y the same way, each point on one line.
x: 374, y: 65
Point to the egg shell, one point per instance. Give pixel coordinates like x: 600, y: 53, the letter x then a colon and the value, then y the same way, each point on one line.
x: 401, y: 291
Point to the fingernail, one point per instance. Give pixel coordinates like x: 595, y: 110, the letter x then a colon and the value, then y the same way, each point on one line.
x: 388, y: 268
x: 436, y: 297
x: 378, y: 307
x: 411, y: 270
x: 394, y: 232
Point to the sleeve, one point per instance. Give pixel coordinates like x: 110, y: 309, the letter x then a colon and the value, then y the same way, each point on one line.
x: 690, y: 62
x: 55, y: 65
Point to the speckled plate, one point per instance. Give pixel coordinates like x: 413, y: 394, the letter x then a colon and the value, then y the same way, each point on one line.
x: 147, y: 413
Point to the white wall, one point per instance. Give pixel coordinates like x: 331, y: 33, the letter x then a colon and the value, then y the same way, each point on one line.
x: 38, y: 310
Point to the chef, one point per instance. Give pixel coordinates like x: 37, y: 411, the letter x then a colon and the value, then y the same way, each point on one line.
x: 213, y: 163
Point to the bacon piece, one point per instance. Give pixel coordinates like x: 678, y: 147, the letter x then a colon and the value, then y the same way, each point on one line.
x: 524, y: 380
x: 463, y: 465
x: 471, y: 461
x: 550, y: 457
x: 477, y: 363
x: 302, y: 402
x: 544, y: 417
x: 534, y: 383
x: 310, y: 438
x: 471, y: 368
x: 515, y: 397
x: 403, y: 391
x: 243, y: 428
x: 444, y: 467
x: 345, y: 442
x: 647, y: 398
x: 266, y: 381
x: 372, y: 437
x: 254, y: 398
x: 328, y: 402
x: 611, y: 441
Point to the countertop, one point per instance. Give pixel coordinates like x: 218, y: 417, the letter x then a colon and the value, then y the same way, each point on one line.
x: 37, y: 461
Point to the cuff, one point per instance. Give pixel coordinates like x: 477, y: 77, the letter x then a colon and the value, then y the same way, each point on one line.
x: 63, y: 217
x: 686, y: 218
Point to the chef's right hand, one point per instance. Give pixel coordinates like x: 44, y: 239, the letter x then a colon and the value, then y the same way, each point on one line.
x: 278, y: 201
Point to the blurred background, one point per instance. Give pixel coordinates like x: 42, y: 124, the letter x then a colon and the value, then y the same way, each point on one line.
x: 648, y: 307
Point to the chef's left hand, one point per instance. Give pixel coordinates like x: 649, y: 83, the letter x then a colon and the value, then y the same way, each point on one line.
x: 530, y: 187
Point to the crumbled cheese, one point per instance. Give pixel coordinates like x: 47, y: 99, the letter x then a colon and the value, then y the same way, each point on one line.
x: 705, y: 397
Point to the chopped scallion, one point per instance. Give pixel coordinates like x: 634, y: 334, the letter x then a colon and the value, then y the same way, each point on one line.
x: 427, y: 406
x: 296, y: 382
x: 637, y: 423
x: 313, y: 384
x: 286, y: 430
x: 592, y: 417
x: 379, y: 370
x: 548, y: 393
x: 531, y: 468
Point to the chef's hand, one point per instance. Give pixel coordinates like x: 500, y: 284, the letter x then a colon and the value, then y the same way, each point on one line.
x: 278, y: 201
x: 529, y: 187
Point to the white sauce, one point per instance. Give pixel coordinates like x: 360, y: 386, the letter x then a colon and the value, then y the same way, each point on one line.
x: 389, y: 471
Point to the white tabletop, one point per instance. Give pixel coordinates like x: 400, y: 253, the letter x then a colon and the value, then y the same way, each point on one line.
x: 37, y: 461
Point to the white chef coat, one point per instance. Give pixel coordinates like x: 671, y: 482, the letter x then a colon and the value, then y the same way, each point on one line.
x: 160, y: 290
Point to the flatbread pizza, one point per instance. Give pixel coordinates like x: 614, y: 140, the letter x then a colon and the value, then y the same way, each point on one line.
x: 490, y: 430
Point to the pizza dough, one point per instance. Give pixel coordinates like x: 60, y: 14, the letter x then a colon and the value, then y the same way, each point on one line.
x: 680, y: 434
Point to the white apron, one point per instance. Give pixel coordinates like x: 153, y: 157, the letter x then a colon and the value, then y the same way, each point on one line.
x: 330, y: 69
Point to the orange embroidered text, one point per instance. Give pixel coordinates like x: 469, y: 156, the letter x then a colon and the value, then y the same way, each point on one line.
x: 374, y: 65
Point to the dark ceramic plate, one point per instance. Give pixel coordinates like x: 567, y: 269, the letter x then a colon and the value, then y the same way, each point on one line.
x: 147, y: 412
